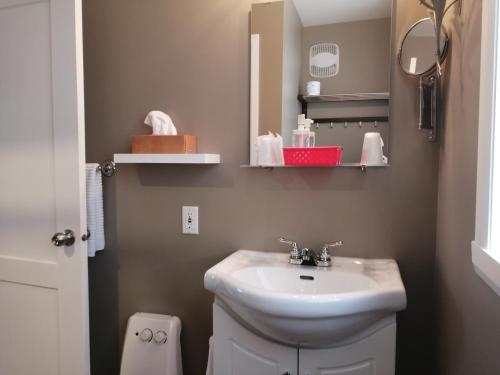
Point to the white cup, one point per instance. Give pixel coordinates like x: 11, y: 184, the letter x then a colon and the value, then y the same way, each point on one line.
x: 313, y: 88
x: 373, y: 150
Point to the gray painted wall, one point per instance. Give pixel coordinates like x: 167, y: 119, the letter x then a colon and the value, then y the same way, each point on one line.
x: 191, y: 59
x: 468, y: 310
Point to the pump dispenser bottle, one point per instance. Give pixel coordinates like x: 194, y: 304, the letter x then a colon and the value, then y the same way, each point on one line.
x: 303, y: 136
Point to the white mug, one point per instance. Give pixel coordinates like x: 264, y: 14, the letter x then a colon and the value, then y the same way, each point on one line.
x: 313, y: 88
x: 373, y: 150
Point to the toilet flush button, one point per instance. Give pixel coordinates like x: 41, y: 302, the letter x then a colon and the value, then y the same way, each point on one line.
x: 161, y: 337
x: 146, y: 335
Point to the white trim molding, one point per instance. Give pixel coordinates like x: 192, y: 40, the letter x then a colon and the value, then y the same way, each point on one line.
x: 486, y: 266
x: 254, y: 95
x: 486, y: 261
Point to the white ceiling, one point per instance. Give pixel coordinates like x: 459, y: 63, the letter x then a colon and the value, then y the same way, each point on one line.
x: 325, y: 12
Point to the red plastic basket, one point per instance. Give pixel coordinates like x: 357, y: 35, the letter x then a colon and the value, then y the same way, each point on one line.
x: 313, y: 155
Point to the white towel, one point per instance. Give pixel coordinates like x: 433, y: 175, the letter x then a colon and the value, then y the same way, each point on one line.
x: 95, y: 211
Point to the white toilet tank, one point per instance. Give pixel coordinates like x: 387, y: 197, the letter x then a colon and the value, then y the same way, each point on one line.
x: 152, y: 345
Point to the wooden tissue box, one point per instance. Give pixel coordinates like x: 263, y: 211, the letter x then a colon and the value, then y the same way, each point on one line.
x: 164, y: 144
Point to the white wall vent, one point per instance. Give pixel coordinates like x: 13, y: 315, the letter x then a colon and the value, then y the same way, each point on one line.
x: 324, y: 60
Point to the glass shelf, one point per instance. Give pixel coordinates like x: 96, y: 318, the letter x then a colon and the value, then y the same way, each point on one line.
x: 343, y: 165
x: 344, y: 97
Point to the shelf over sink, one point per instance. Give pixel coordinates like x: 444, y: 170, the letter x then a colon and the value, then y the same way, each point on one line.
x: 363, y: 167
x: 167, y: 158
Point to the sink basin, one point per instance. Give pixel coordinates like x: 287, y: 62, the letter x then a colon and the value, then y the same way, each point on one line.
x: 307, y: 306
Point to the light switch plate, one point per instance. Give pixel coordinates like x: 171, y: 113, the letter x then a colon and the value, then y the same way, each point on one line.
x: 190, y: 220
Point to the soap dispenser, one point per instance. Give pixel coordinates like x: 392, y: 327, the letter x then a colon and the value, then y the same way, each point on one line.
x: 311, y: 136
x: 303, y: 136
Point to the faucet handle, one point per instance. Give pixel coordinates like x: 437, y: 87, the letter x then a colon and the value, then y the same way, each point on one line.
x: 290, y: 242
x: 324, y: 260
x: 325, y: 256
x: 326, y: 246
x: 295, y: 246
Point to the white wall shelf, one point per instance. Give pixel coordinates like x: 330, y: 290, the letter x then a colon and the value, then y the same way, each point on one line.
x: 166, y: 158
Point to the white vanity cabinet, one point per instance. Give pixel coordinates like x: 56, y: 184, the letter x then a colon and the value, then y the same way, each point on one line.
x: 374, y: 355
x: 238, y: 351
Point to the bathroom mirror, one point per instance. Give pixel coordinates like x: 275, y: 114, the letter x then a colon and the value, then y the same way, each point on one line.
x: 417, y: 58
x: 417, y: 55
x: 345, y: 46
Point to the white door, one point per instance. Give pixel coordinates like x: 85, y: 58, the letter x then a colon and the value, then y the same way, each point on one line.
x: 43, y: 288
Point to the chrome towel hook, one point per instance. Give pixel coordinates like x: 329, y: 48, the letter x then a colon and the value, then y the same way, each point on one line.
x: 108, y: 168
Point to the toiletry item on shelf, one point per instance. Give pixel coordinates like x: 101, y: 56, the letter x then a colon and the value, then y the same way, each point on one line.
x: 164, y: 139
x: 313, y: 88
x: 303, y: 136
x: 373, y: 150
x: 269, y: 150
x: 313, y: 156
x: 278, y: 157
x: 311, y: 139
x: 161, y: 123
x: 164, y: 144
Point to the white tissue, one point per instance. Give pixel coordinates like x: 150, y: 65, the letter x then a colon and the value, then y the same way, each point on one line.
x: 161, y: 123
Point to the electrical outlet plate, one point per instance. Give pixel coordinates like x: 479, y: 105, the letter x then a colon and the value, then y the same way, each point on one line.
x: 190, y: 220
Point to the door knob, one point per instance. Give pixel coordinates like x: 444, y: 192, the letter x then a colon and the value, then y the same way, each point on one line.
x: 67, y: 238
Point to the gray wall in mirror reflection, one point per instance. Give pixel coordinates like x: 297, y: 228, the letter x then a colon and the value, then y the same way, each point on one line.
x: 352, y: 136
x: 364, y: 67
x: 420, y: 48
x: 364, y: 56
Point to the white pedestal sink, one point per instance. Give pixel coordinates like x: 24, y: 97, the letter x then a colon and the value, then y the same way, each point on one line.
x: 307, y: 307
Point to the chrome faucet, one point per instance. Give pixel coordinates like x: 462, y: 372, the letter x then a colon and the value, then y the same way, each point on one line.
x: 308, y: 257
x: 295, y: 254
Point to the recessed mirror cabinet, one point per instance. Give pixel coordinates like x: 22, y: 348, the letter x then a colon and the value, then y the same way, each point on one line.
x: 343, y: 48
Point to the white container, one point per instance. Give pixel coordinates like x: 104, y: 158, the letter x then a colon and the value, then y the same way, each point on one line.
x: 152, y: 345
x: 373, y: 150
x: 313, y: 88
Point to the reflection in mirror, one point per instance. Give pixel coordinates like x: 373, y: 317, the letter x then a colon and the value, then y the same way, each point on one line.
x: 345, y: 46
x: 418, y: 50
